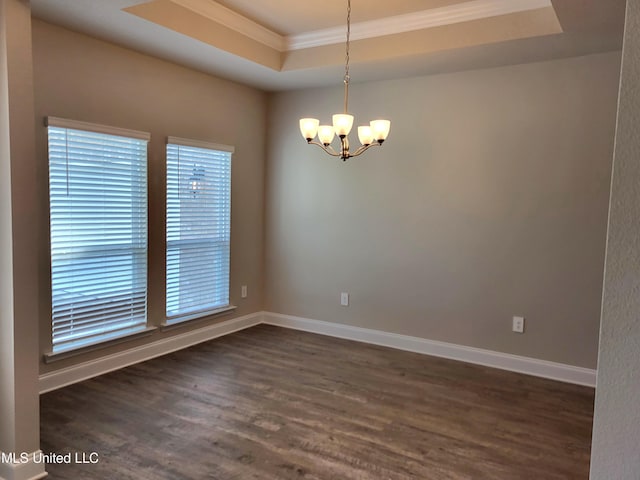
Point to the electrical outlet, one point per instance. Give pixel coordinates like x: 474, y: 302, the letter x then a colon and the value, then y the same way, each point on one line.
x: 344, y: 299
x: 518, y: 324
x: 244, y: 291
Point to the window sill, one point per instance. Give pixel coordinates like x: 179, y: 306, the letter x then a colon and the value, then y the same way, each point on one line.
x: 178, y: 321
x: 72, y: 352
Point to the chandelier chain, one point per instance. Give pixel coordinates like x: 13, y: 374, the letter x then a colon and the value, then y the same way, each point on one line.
x: 347, y: 78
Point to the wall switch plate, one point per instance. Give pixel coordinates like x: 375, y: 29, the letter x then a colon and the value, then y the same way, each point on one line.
x: 344, y: 299
x: 244, y: 291
x: 518, y: 324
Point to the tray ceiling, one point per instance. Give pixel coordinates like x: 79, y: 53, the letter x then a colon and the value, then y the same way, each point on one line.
x: 283, y: 44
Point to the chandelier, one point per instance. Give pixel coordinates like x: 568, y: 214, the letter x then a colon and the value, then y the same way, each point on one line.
x: 371, y: 135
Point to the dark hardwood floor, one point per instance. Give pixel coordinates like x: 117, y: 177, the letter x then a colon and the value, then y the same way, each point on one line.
x: 276, y: 404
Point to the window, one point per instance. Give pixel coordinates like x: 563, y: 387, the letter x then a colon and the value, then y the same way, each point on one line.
x: 98, y: 220
x: 198, y: 228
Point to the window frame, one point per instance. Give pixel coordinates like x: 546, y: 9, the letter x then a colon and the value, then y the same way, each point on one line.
x: 180, y: 318
x: 99, y: 340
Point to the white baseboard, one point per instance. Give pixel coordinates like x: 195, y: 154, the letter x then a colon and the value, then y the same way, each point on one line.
x: 530, y: 366
x: 23, y: 470
x: 504, y: 361
x: 83, y: 371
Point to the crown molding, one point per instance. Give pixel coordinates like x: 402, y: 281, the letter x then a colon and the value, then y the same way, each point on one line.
x: 241, y: 24
x: 436, y: 17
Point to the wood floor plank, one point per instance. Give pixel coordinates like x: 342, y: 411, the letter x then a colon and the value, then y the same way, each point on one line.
x: 275, y: 404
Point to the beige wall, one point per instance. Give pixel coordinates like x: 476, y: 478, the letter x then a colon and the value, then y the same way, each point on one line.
x: 489, y: 200
x: 19, y: 413
x: 81, y: 78
x: 616, y: 430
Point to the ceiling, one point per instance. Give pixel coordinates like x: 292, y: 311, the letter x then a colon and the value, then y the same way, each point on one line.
x: 286, y: 44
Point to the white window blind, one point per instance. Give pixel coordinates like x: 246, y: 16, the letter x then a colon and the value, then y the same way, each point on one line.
x: 198, y: 228
x: 98, y: 219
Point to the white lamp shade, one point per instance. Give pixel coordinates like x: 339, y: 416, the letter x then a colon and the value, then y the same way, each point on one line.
x: 365, y: 135
x: 342, y: 123
x: 325, y: 134
x: 309, y: 127
x: 380, y: 129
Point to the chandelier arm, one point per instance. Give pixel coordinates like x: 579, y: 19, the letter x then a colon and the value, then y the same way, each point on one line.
x: 363, y: 149
x: 328, y: 149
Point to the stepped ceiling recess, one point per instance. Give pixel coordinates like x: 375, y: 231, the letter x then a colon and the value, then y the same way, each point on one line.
x: 285, y: 44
